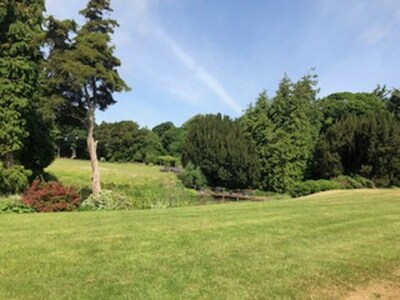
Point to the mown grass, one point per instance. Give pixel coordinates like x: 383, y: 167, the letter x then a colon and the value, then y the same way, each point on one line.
x: 145, y: 184
x: 317, y: 247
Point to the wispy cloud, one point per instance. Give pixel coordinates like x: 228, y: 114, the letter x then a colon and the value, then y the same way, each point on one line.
x: 383, y: 29
x: 139, y: 23
x: 145, y: 25
x: 376, y: 33
x: 200, y: 71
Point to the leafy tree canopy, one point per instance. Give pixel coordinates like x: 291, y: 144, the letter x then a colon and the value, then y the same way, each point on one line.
x: 340, y: 105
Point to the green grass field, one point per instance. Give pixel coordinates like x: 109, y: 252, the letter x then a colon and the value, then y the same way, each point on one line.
x: 149, y: 186
x: 318, y: 247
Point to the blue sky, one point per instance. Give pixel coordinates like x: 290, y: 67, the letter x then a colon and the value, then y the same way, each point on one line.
x: 184, y: 57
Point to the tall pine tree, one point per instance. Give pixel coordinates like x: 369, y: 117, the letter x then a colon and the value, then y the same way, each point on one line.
x: 89, y: 67
x: 295, y: 120
x: 20, y: 70
x: 257, y: 123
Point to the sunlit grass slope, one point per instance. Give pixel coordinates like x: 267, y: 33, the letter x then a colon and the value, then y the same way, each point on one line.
x: 145, y: 183
x: 313, y: 247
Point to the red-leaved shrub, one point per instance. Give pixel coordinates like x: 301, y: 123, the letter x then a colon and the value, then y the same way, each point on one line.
x: 51, y: 197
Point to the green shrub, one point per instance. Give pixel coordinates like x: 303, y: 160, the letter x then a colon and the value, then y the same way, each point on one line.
x: 367, y: 183
x: 304, y: 188
x: 168, y: 161
x: 14, y: 205
x: 339, y: 183
x: 107, y: 200
x: 13, y: 180
x: 382, y: 182
x: 348, y: 182
x: 193, y: 178
x: 51, y: 197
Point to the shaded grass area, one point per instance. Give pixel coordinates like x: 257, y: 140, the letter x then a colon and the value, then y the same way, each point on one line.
x: 318, y: 246
x: 149, y: 187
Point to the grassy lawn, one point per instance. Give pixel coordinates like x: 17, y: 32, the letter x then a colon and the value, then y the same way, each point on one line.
x: 320, y: 246
x: 144, y: 183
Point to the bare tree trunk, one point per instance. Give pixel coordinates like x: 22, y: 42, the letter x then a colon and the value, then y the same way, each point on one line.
x: 92, y: 148
x: 9, y: 161
x: 73, y: 155
x: 58, y: 151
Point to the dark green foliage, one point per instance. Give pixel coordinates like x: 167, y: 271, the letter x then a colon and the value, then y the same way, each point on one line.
x: 258, y: 125
x: 171, y: 138
x: 382, y: 92
x: 20, y: 70
x: 162, y: 128
x: 39, y: 149
x: 192, y: 177
x: 151, y: 147
x: 71, y: 140
x: 367, y: 145
x: 340, y: 105
x: 126, y: 142
x: 394, y: 103
x: 218, y: 146
x: 13, y: 180
x: 285, y: 132
x: 172, y: 141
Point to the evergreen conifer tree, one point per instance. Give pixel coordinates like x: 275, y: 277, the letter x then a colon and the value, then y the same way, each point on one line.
x: 85, y: 72
x: 20, y: 71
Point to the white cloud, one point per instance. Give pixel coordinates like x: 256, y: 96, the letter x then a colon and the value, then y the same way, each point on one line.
x: 386, y: 27
x: 138, y: 16
x: 200, y: 71
x: 137, y: 23
x: 135, y: 15
x: 376, y: 33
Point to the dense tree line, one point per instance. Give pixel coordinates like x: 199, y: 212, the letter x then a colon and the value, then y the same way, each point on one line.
x: 299, y: 137
x: 366, y: 145
x: 126, y: 142
x: 49, y: 99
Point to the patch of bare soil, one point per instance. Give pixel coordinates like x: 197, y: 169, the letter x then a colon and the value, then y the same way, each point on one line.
x: 382, y: 290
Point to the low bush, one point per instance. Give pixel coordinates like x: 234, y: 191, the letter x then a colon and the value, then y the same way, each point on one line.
x: 51, y: 197
x: 193, y: 178
x: 107, y: 200
x: 339, y: 183
x: 168, y: 161
x: 383, y: 182
x: 314, y: 186
x: 365, y: 182
x: 14, y: 205
x: 348, y: 182
x: 14, y: 180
